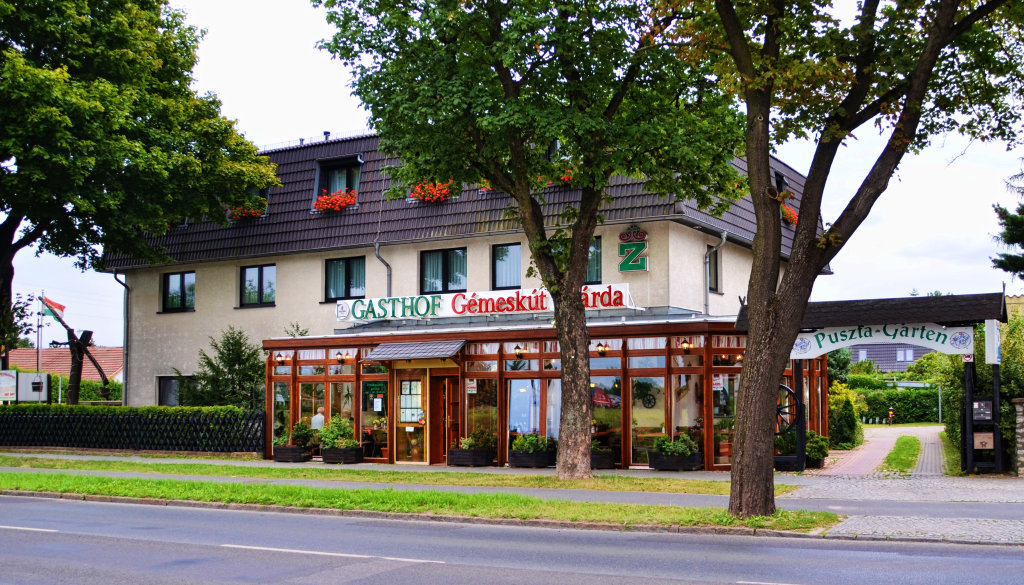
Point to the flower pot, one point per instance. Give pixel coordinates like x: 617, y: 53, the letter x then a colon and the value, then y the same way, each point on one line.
x: 602, y: 460
x: 662, y: 462
x: 725, y: 448
x: 347, y: 455
x: 470, y: 457
x: 815, y: 463
x: 292, y: 454
x: 524, y: 459
x: 788, y: 463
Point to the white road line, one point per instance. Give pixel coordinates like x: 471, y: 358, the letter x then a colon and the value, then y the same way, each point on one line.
x: 330, y: 554
x: 760, y: 583
x: 27, y: 529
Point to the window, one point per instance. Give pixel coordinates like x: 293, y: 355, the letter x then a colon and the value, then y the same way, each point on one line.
x: 337, y: 175
x: 781, y: 184
x: 862, y: 355
x: 443, y: 271
x: 713, y: 283
x: 904, y: 355
x: 259, y: 284
x: 506, y: 266
x: 594, y: 262
x: 179, y: 292
x: 167, y: 387
x: 346, y: 278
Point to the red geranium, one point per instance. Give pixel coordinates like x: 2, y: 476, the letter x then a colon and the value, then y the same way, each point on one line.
x: 334, y: 201
x: 431, y: 192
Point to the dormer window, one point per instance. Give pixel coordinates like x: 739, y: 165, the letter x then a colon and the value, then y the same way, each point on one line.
x: 781, y: 185
x: 337, y: 176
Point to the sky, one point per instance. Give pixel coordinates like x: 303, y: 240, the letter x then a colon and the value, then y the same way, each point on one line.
x: 933, y: 229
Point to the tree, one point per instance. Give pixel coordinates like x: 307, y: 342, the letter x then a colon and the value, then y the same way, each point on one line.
x: 15, y: 323
x: 914, y: 70
x: 1012, y: 234
x: 839, y: 364
x: 516, y: 94
x: 101, y: 138
x: 233, y: 376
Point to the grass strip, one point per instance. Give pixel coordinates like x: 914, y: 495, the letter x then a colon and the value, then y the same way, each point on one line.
x: 607, y: 482
x: 951, y: 456
x: 497, y: 506
x: 903, y: 456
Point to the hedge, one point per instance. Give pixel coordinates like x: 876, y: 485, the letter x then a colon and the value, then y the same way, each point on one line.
x: 910, y: 405
x: 160, y: 428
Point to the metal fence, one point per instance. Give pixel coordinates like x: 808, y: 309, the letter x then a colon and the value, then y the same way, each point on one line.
x: 199, y: 431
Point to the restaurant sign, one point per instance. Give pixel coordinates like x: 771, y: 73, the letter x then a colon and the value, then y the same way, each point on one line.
x: 952, y: 340
x: 500, y: 302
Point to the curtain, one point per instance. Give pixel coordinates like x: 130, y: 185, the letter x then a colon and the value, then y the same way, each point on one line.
x: 594, y: 261
x: 357, y: 277
x: 433, y: 271
x: 457, y: 269
x: 336, y: 279
x: 507, y: 266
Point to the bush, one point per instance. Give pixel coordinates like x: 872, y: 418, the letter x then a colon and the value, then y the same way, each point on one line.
x: 843, y: 425
x: 336, y: 433
x: 910, y: 405
x: 482, y: 439
x: 866, y: 382
x: 302, y: 435
x: 530, y: 443
x: 817, y: 446
x: 683, y: 445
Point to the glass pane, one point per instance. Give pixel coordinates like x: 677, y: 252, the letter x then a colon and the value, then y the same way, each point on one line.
x: 722, y: 359
x: 507, y: 266
x: 523, y: 406
x: 433, y: 272
x: 605, y: 363
x: 646, y: 343
x: 550, y: 364
x: 482, y: 366
x: 609, y: 344
x: 723, y: 398
x: 687, y: 394
x: 357, y: 277
x: 311, y: 397
x: 342, y: 369
x: 269, y: 283
x: 482, y: 406
x: 594, y: 262
x: 688, y: 360
x: 410, y: 431
x: 524, y: 346
x: 688, y: 342
x: 553, y: 412
x: 648, y: 415
x: 457, y: 269
x: 335, y: 279
x: 282, y: 409
x: 521, y: 365
x: 173, y: 285
x: 481, y: 348
x: 250, y: 285
x: 311, y: 354
x: 341, y: 399
x: 551, y: 346
x: 647, y: 361
x: 373, y: 418
x: 190, y: 290
x: 311, y: 370
x: 606, y: 395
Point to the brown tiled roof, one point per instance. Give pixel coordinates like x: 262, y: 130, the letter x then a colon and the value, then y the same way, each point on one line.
x: 944, y: 310
x: 58, y: 361
x: 289, y: 226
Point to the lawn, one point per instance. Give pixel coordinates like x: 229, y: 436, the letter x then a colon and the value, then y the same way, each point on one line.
x: 903, y: 456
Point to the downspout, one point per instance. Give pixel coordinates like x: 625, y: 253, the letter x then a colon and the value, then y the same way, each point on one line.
x: 707, y: 273
x: 124, y: 343
x: 376, y: 252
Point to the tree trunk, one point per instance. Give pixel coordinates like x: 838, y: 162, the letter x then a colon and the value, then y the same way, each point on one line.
x: 77, y: 348
x: 574, y: 342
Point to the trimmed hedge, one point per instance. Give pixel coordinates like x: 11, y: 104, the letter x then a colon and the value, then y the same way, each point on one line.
x: 222, y: 429
x: 910, y: 405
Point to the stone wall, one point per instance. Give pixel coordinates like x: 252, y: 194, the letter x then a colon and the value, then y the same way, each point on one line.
x: 1018, y: 404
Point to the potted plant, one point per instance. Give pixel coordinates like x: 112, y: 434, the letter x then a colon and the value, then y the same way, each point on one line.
x: 476, y: 450
x: 529, y: 450
x: 299, y: 449
x: 338, y: 443
x: 817, y: 450
x: 601, y: 457
x: 680, y: 454
x: 786, y: 458
x: 723, y: 436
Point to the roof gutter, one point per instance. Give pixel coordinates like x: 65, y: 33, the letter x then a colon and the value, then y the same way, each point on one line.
x: 376, y: 252
x: 707, y: 272
x: 125, y: 345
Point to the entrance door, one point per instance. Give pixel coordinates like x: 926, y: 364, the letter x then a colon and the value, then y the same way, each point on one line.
x: 445, y: 416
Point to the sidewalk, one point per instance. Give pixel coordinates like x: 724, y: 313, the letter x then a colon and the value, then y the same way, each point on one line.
x: 924, y: 506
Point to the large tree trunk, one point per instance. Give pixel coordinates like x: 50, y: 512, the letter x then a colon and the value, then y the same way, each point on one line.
x: 77, y: 348
x: 574, y: 341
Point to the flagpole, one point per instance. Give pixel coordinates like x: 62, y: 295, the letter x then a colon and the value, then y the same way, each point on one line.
x: 39, y: 338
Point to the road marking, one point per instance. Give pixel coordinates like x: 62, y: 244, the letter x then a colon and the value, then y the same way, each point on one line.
x: 761, y: 583
x: 330, y: 554
x: 27, y: 529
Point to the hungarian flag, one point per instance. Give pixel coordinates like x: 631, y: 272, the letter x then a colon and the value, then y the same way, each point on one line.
x: 52, y: 308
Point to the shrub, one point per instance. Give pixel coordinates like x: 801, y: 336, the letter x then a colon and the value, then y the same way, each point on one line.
x: 337, y: 431
x: 530, y: 443
x: 862, y: 382
x: 909, y: 405
x: 482, y: 439
x: 302, y: 435
x: 683, y: 445
x: 843, y: 424
x: 817, y: 446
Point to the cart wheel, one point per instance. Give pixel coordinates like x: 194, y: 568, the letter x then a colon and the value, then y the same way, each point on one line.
x: 649, y: 400
x: 787, y: 410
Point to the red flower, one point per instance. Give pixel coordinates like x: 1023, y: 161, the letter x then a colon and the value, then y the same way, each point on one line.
x: 334, y: 201
x: 788, y: 214
x: 431, y: 192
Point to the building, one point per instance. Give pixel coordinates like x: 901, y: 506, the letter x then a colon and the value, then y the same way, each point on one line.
x: 890, y: 357
x: 425, y: 325
x: 58, y: 361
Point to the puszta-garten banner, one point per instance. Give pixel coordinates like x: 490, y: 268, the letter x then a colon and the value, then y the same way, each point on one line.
x: 952, y: 340
x: 467, y: 304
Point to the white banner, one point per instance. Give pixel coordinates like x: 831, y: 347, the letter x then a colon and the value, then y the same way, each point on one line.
x: 538, y: 300
x: 993, y: 342
x: 952, y: 340
x: 8, y: 385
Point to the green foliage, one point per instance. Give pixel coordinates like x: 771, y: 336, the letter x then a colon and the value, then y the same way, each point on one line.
x: 839, y: 364
x: 817, y: 446
x: 90, y: 390
x: 102, y: 138
x: 683, y: 445
x: 234, y: 375
x: 302, y: 435
x: 843, y: 424
x: 295, y: 330
x: 335, y: 432
x: 910, y: 405
x: 864, y: 367
x: 1012, y: 234
x: 530, y: 443
x: 866, y: 382
x: 141, y: 411
x: 15, y: 319
x: 483, y: 439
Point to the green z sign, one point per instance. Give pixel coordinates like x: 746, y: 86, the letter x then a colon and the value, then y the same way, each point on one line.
x: 632, y: 260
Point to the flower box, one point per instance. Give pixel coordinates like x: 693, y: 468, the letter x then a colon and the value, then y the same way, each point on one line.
x: 339, y: 455
x: 789, y: 463
x: 336, y: 201
x: 292, y: 454
x: 431, y: 192
x: 470, y: 457
x: 524, y: 459
x: 662, y: 462
x: 602, y: 459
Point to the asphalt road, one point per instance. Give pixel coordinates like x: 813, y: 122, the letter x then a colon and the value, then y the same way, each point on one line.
x: 65, y: 541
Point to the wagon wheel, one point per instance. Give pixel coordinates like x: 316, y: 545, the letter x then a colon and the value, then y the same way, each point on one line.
x: 649, y: 400
x: 787, y: 410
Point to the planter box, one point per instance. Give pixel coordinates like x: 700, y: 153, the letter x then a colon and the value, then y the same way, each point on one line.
x: 676, y: 462
x: 524, y: 459
x: 815, y: 463
x: 292, y: 454
x: 788, y: 463
x: 336, y: 455
x: 470, y: 457
x: 602, y: 460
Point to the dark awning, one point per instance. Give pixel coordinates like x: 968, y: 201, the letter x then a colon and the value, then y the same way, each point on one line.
x: 415, y: 351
